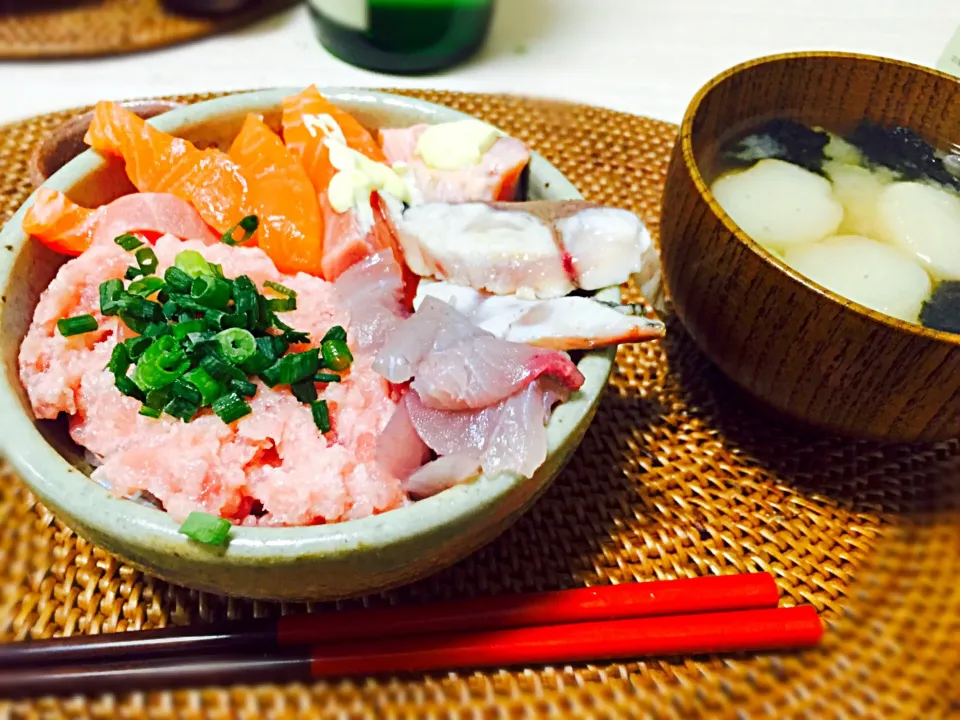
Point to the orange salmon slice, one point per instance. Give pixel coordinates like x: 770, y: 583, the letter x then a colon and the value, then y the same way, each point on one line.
x: 282, y: 196
x: 59, y: 223
x: 158, y: 162
x: 308, y: 120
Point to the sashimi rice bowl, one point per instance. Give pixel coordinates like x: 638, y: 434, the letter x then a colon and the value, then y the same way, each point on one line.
x: 307, y: 344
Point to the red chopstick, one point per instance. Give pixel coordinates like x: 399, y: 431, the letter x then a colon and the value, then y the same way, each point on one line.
x: 636, y: 639
x: 612, y: 602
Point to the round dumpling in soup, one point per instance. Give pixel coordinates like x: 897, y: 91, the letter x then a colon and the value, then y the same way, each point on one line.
x: 778, y: 204
x: 858, y: 190
x: 924, y: 221
x: 865, y: 271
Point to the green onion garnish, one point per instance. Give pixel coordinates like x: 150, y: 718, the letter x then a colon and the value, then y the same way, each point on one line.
x: 182, y: 329
x: 230, y: 407
x: 282, y: 304
x: 335, y: 333
x: 110, y: 291
x: 248, y: 225
x: 146, y: 287
x: 281, y: 289
x: 132, y: 273
x: 181, y: 408
x: 305, y: 391
x: 211, y: 291
x: 336, y: 355
x: 209, y: 388
x: 243, y: 387
x: 128, y: 387
x: 321, y: 415
x: 128, y: 242
x: 177, y: 279
x: 220, y: 369
x: 162, y: 363
x: 192, y: 263
x: 137, y: 346
x: 77, y: 325
x: 237, y: 345
x: 206, y: 529
x: 119, y: 360
x: 150, y: 412
x: 292, y: 368
x: 146, y: 260
x: 326, y: 378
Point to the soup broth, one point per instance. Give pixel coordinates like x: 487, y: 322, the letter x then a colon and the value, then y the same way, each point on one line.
x: 871, y: 213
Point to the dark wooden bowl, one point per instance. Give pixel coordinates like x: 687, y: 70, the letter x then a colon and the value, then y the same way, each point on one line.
x: 798, y: 347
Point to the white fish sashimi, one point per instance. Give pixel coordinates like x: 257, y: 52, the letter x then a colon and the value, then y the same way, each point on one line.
x: 473, y: 244
x: 442, y: 474
x: 508, y: 437
x: 455, y: 365
x: 400, y: 451
x: 534, y: 249
x: 567, y: 323
x: 372, y: 290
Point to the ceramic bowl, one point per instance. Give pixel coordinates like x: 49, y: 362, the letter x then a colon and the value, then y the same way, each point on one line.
x: 309, y: 563
x: 798, y: 347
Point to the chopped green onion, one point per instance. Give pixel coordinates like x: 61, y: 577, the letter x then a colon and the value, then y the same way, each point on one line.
x: 192, y: 263
x: 132, y: 273
x: 211, y: 291
x: 305, y: 391
x: 177, y: 279
x: 186, y: 391
x: 237, y: 345
x: 119, y: 360
x: 128, y: 387
x: 282, y: 304
x: 146, y: 260
x: 248, y: 225
x: 217, y: 269
x: 245, y: 298
x: 335, y: 333
x: 206, y: 529
x: 156, y: 399
x: 137, y: 346
x: 336, y: 355
x: 292, y: 368
x: 162, y: 363
x: 243, y: 387
x: 138, y: 325
x: 77, y: 325
x: 209, y: 388
x: 282, y: 289
x: 321, y: 415
x: 110, y: 291
x: 220, y: 369
x: 128, y: 242
x: 155, y: 330
x: 184, y: 328
x: 181, y: 408
x: 146, y: 287
x: 230, y: 407
x: 150, y: 412
x: 326, y: 378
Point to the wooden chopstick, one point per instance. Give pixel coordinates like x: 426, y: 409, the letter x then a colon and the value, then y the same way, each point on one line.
x: 634, y: 638
x: 629, y: 600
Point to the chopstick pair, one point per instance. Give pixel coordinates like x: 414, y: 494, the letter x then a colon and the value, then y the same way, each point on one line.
x: 716, y: 614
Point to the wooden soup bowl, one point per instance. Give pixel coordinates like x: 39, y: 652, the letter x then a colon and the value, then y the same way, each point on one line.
x: 807, y: 352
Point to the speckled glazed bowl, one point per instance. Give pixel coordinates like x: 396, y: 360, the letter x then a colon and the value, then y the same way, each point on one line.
x: 310, y: 563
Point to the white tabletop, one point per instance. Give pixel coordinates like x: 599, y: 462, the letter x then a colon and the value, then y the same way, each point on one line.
x: 641, y: 56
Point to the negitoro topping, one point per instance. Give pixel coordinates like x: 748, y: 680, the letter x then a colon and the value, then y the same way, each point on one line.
x: 203, y: 337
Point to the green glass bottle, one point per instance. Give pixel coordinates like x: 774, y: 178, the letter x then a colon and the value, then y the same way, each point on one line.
x: 405, y: 37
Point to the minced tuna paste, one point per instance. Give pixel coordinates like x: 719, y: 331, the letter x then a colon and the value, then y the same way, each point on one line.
x: 272, y: 467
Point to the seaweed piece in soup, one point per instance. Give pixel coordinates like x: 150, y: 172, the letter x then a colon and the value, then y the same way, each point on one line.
x: 782, y: 139
x: 942, y: 310
x: 903, y: 151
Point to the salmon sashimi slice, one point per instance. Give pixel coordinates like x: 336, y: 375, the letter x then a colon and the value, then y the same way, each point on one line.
x: 498, y: 176
x: 282, y: 196
x: 158, y: 162
x: 311, y: 126
x: 59, y: 223
x: 70, y: 229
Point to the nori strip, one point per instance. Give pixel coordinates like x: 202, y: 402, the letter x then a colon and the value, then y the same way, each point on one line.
x: 942, y: 310
x: 903, y: 151
x: 784, y: 139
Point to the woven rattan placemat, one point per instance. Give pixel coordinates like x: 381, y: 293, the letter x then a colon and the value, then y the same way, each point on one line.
x: 679, y: 475
x: 67, y: 28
